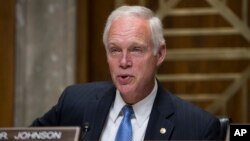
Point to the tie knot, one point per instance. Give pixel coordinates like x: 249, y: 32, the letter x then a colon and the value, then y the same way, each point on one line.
x: 127, y: 110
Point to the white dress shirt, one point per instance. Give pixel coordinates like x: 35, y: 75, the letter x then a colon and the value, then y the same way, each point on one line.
x: 139, y: 120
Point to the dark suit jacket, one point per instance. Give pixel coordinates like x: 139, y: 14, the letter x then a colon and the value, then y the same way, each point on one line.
x: 91, y: 103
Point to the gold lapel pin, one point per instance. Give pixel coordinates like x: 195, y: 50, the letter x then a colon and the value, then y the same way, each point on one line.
x: 163, y: 130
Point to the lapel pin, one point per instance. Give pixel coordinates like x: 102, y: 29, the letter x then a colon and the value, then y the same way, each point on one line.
x: 163, y: 130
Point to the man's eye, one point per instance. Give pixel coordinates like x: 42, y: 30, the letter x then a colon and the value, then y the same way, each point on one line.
x: 114, y: 50
x: 137, y: 49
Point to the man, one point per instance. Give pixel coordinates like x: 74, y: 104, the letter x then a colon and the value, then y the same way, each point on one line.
x: 135, y: 48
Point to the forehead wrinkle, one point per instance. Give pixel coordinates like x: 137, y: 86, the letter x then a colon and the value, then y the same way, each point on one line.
x: 132, y: 29
x: 135, y: 39
x: 128, y: 31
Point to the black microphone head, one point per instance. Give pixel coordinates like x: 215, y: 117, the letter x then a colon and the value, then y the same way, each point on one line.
x: 86, y: 126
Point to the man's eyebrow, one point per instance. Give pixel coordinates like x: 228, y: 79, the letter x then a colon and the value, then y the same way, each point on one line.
x: 135, y: 43
x: 138, y: 44
x: 112, y: 44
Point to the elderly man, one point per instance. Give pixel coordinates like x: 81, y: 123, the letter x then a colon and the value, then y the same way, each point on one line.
x: 134, y: 106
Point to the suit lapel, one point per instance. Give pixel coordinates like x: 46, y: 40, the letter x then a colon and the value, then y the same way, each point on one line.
x: 160, y: 127
x: 103, y: 105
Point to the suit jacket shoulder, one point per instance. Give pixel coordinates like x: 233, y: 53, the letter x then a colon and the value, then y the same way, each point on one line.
x: 194, y: 121
x: 181, y: 119
x: 75, y: 103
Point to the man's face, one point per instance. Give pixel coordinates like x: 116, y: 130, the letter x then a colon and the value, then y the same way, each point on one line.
x: 131, y: 58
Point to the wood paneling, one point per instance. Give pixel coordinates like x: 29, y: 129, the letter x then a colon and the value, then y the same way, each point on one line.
x: 98, y: 14
x: 7, y: 19
x: 82, y: 41
x: 192, y: 88
x: 95, y: 63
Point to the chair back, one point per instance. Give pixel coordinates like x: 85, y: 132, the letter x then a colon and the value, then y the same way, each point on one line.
x: 224, y: 127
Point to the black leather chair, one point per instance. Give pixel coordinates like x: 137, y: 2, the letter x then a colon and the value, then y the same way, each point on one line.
x: 224, y: 125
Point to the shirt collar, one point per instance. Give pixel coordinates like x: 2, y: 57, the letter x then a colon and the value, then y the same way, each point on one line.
x: 142, y: 109
x: 117, y: 106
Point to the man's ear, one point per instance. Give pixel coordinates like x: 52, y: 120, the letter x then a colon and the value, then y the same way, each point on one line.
x: 161, y: 54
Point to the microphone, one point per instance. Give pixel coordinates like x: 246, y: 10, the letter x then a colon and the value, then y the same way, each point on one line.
x: 85, y: 130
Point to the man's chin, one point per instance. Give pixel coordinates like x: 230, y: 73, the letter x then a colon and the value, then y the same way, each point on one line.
x: 125, y: 89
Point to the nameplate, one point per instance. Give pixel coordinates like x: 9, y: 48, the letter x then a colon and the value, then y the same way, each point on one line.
x: 40, y: 133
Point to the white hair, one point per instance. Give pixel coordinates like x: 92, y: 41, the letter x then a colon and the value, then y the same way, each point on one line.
x: 139, y: 11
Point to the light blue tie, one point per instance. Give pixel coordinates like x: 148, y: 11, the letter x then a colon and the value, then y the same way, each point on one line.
x: 124, y: 132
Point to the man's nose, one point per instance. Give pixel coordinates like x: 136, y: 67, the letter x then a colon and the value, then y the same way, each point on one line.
x: 125, y: 61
